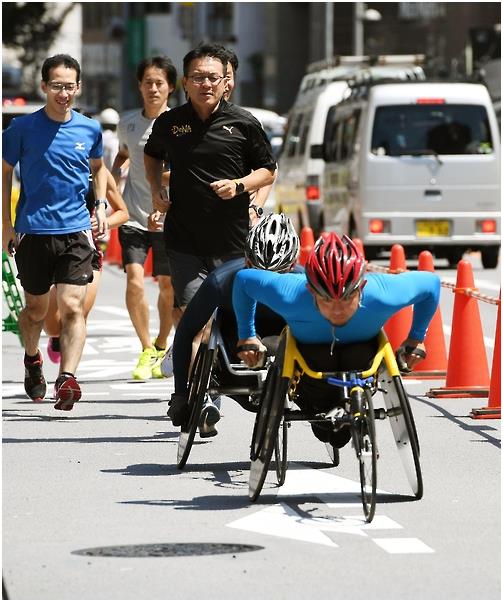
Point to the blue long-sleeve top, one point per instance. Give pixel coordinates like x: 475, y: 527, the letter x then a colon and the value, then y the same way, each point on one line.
x: 215, y: 291
x: 382, y: 296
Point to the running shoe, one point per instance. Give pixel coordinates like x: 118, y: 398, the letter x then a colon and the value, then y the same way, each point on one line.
x: 157, y: 367
x: 146, y: 362
x: 66, y: 392
x: 210, y: 415
x: 178, y: 408
x: 167, y: 363
x: 34, y: 381
x: 53, y: 350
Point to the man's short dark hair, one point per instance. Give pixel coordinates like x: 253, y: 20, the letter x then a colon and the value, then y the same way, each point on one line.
x: 160, y: 62
x: 55, y: 61
x: 215, y: 51
x: 232, y: 59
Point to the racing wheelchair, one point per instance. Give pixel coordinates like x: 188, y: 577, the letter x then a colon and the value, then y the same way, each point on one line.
x: 217, y: 370
x: 357, y: 413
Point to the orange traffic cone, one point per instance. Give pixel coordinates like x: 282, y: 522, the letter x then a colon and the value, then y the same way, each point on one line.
x: 493, y: 410
x: 467, y: 369
x: 359, y: 244
x: 113, y: 253
x: 398, y: 326
x: 435, y: 364
x: 306, y: 244
x: 149, y: 264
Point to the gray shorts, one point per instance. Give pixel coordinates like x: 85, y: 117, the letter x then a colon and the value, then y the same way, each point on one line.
x: 188, y: 272
x: 135, y: 245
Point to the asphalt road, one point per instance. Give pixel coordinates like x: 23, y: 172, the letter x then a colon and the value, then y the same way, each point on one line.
x: 77, y: 484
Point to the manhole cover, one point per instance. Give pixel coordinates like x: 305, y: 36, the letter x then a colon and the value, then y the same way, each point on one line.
x: 168, y: 549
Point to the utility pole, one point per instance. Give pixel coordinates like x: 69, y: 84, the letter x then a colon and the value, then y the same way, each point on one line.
x: 329, y: 30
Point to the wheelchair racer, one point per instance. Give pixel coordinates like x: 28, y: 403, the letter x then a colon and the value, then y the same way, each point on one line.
x: 335, y: 312
x: 271, y: 244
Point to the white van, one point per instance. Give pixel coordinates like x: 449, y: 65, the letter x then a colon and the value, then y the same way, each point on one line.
x: 299, y: 184
x: 416, y: 164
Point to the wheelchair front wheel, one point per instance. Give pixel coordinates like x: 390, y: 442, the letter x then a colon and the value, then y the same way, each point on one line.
x: 366, y: 448
x: 266, y: 428
x: 198, y: 385
x: 280, y: 452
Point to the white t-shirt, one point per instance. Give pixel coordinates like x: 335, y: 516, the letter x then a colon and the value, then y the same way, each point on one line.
x: 134, y: 130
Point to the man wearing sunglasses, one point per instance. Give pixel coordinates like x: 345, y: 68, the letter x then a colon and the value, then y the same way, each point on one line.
x: 335, y: 312
x: 56, y: 148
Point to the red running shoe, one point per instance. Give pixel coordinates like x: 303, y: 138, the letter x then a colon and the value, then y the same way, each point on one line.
x: 66, y: 392
x: 53, y: 350
x: 34, y: 381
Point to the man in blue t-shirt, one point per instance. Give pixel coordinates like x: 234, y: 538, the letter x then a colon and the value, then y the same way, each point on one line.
x: 55, y: 148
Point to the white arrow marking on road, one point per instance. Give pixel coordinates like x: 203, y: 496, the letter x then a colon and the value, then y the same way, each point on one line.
x: 280, y: 520
x: 405, y: 545
x: 308, y: 482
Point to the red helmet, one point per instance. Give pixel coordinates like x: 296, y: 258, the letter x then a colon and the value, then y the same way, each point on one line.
x: 335, y: 267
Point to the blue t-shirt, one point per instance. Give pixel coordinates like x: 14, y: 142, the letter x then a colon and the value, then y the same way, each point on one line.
x: 54, y: 170
x: 382, y: 296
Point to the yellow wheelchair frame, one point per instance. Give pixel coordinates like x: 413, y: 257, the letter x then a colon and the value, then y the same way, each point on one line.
x: 275, y: 414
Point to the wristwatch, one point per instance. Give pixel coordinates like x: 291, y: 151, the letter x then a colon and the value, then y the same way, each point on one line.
x: 258, y: 210
x: 101, y: 202
x: 240, y: 187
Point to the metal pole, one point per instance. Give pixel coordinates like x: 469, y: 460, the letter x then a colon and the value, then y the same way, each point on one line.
x: 329, y: 30
x: 358, y: 48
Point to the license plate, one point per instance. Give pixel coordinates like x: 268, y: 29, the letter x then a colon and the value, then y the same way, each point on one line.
x: 432, y: 228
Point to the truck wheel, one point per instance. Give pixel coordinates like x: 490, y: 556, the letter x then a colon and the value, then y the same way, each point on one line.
x: 489, y: 256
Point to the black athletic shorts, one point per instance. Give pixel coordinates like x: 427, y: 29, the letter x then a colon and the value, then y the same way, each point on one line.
x: 46, y: 259
x: 188, y: 272
x: 135, y: 245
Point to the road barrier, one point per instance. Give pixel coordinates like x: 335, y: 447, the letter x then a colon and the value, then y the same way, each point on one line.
x: 306, y: 244
x: 493, y: 410
x: 12, y: 296
x: 113, y: 253
x: 398, y: 326
x: 467, y: 372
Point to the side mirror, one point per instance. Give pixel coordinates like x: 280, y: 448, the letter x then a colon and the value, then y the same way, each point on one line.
x: 317, y: 151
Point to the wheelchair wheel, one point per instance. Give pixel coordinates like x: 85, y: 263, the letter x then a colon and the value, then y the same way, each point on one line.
x: 413, y: 469
x: 366, y: 448
x: 404, y: 430
x: 198, y: 384
x: 266, y: 425
x: 280, y: 452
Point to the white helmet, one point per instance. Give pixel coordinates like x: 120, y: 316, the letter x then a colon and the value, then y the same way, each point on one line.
x: 273, y: 244
x: 108, y: 116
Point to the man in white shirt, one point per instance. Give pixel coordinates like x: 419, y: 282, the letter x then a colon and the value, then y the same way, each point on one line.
x: 156, y: 81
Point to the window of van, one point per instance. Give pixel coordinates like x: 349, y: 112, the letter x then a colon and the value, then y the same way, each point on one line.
x: 340, y: 134
x: 292, y: 135
x: 441, y: 128
x: 304, y: 133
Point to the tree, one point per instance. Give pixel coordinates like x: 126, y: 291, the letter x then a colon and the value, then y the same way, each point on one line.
x: 30, y: 28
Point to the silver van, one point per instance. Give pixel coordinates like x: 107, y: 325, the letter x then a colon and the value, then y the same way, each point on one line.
x: 299, y: 184
x: 416, y: 164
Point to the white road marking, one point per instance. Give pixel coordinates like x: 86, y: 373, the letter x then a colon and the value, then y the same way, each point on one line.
x: 280, y: 520
x: 406, y: 545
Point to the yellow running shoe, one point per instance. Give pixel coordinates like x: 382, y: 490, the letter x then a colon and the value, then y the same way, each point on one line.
x: 146, y: 361
x: 156, y: 368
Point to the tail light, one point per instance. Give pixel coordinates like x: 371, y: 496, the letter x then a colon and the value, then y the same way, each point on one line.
x: 486, y: 226
x: 312, y: 193
x: 379, y: 226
